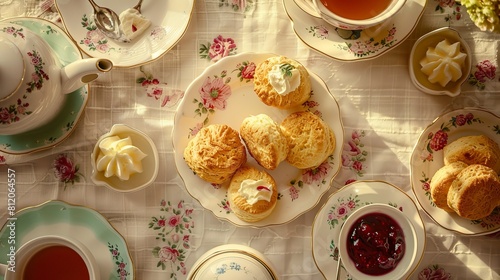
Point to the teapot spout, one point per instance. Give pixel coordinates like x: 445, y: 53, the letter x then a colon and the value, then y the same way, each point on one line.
x: 81, y: 72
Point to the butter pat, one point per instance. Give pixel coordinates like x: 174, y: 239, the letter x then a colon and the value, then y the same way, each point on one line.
x: 254, y: 191
x: 119, y: 157
x: 443, y: 63
x: 284, y: 78
x: 133, y: 23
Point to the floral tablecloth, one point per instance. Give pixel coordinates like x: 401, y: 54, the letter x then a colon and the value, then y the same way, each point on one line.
x: 382, y: 112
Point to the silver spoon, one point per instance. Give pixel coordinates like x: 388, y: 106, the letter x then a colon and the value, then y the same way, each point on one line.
x: 138, y: 6
x: 108, y: 22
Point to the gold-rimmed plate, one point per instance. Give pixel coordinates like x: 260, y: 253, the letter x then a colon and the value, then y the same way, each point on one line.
x: 427, y: 158
x: 169, y: 22
x: 346, y: 45
x: 76, y: 222
x: 331, y: 216
x: 299, y: 190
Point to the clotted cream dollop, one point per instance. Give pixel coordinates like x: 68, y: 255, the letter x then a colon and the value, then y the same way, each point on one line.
x: 119, y: 157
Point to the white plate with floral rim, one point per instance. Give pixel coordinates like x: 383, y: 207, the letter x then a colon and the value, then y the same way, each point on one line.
x: 77, y: 222
x: 427, y: 158
x: 169, y: 22
x: 62, y: 125
x: 299, y: 191
x: 330, y: 217
x: 346, y: 45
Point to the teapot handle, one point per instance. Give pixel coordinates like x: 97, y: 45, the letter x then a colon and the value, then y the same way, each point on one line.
x: 78, y: 73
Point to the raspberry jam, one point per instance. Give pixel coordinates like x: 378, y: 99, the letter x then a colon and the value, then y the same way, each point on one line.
x: 376, y: 244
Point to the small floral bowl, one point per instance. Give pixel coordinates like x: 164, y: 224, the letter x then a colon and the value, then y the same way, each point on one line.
x: 379, y: 209
x: 137, y: 181
x: 357, y: 24
x: 418, y: 52
x: 232, y: 261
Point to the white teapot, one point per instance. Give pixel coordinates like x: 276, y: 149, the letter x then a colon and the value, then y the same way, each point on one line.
x: 33, y: 82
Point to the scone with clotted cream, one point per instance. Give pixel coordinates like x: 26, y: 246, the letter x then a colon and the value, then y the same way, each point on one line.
x: 282, y: 82
x: 310, y: 140
x: 252, y: 194
x: 215, y: 153
x: 264, y: 140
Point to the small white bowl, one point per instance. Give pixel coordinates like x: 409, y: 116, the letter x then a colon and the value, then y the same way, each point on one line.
x: 431, y: 39
x: 404, y: 264
x: 232, y: 261
x: 150, y: 163
x: 353, y: 24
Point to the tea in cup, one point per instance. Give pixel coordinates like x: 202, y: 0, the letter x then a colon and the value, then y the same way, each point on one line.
x: 357, y: 14
x: 51, y: 257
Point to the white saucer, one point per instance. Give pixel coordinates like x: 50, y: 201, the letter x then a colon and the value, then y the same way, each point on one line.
x: 348, y: 45
x: 331, y: 216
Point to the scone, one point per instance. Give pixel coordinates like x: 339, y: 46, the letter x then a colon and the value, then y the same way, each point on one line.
x: 475, y: 192
x: 282, y: 82
x: 215, y: 153
x: 478, y: 149
x: 264, y: 140
x: 252, y: 194
x: 441, y: 182
x: 310, y: 140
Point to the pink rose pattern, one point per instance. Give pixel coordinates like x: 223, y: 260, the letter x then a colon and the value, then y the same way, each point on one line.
x: 213, y: 96
x: 434, y: 272
x: 94, y: 40
x: 121, y: 266
x: 354, y: 156
x: 485, y: 71
x: 318, y: 31
x: 237, y: 5
x: 158, y: 90
x: 219, y: 48
x: 174, y: 230
x: 437, y: 140
x: 65, y: 170
x: 11, y: 113
x: 371, y: 46
x: 451, y: 8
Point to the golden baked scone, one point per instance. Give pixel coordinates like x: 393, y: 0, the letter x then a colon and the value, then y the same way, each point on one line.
x: 477, y: 149
x: 252, y: 194
x: 310, y: 140
x: 475, y: 192
x: 441, y: 182
x: 282, y: 82
x: 264, y: 140
x: 215, y: 153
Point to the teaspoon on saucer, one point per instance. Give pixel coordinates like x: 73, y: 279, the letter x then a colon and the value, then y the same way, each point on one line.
x: 108, y: 22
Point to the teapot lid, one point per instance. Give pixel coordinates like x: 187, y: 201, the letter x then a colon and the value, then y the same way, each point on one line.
x: 11, y: 68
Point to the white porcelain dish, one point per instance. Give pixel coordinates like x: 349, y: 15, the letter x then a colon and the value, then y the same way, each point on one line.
x: 347, y: 45
x: 58, y: 218
x: 329, y: 219
x: 299, y: 191
x: 410, y: 241
x: 232, y: 261
x: 426, y: 159
x: 170, y: 20
x: 150, y: 163
x: 418, y: 52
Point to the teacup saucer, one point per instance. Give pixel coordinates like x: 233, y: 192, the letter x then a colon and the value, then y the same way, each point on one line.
x: 78, y: 223
x: 63, y: 124
x: 346, y: 45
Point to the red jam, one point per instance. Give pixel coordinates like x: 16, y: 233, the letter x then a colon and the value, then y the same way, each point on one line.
x: 375, y: 244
